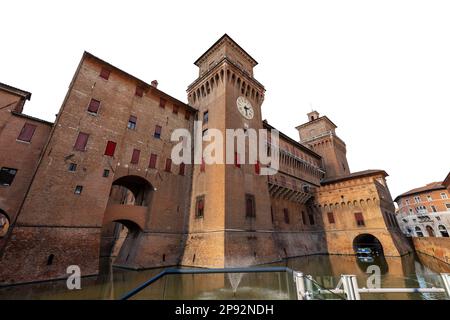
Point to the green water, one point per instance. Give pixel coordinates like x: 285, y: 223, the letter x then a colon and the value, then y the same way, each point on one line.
x: 112, y: 283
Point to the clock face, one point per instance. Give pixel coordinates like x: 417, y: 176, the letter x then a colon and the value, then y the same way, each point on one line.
x: 245, y: 108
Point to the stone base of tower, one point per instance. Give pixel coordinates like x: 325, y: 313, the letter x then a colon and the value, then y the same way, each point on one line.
x: 342, y: 242
x: 43, y: 253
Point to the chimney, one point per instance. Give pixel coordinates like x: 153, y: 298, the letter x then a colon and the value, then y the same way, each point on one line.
x: 154, y: 83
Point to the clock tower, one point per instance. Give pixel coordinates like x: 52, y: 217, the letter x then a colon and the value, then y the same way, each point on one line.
x: 230, y: 220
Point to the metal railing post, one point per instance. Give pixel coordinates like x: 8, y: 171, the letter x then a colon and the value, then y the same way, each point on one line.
x: 299, y: 280
x: 446, y: 279
x: 350, y: 285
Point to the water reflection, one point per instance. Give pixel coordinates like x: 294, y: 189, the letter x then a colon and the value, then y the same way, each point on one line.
x: 112, y: 283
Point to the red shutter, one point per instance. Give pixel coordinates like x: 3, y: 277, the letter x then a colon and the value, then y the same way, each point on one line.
x: 162, y: 103
x: 135, y: 156
x: 200, y: 205
x: 152, y: 163
x: 330, y: 217
x: 94, y: 105
x: 27, y: 132
x: 110, y: 148
x: 359, y: 219
x: 139, y: 91
x: 181, y: 169
x: 80, y: 144
x: 236, y: 160
x: 105, y: 73
x: 257, y: 167
x: 175, y: 109
x: 168, y: 165
x: 202, y: 166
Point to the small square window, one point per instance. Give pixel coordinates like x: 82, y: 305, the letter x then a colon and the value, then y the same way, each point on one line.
x: 139, y: 91
x: 132, y: 123
x: 78, y: 189
x: 105, y: 173
x: 7, y: 176
x: 162, y: 103
x: 157, y: 133
x: 104, y: 73
x: 72, y: 167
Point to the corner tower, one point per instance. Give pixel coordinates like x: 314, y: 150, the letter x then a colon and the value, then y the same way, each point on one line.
x: 319, y: 133
x: 230, y: 202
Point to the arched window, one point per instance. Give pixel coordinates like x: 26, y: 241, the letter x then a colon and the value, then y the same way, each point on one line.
x: 430, y: 231
x: 443, y: 231
x: 419, y: 232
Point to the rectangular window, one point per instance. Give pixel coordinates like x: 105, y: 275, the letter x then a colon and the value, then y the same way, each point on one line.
x: 78, y: 189
x: 205, y: 117
x: 139, y: 91
x: 433, y: 209
x: 27, y: 132
x: 157, y: 133
x: 72, y: 167
x: 417, y: 199
x: 187, y: 115
x: 80, y: 144
x: 175, y: 109
x: 304, y: 220
x: 7, y: 176
x: 286, y: 215
x: 152, y: 163
x: 181, y: 172
x: 444, y: 195
x: 330, y: 218
x: 104, y: 73
x: 200, y: 207
x: 162, y: 103
x: 94, y: 105
x: 135, y: 156
x: 250, y: 211
x: 359, y: 219
x: 311, y: 219
x: 105, y: 173
x: 168, y: 165
x: 110, y: 148
x: 132, y: 123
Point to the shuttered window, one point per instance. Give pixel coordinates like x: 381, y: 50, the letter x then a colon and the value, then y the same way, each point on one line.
x: 94, y: 105
x: 168, y: 165
x: 200, y: 207
x: 110, y: 148
x: 331, y: 217
x: 27, y: 132
x: 104, y: 73
x: 257, y: 167
x: 162, y: 103
x: 152, y: 162
x: 82, y: 139
x: 359, y: 219
x: 135, y: 156
x: 139, y: 91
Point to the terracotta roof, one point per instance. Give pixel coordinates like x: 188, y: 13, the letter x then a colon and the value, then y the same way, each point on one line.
x: 354, y: 175
x: 429, y: 187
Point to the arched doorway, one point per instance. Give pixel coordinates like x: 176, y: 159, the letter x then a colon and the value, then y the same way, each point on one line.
x: 419, y: 232
x: 367, y: 243
x: 124, y: 219
x: 443, y: 231
x: 4, y: 223
x: 430, y: 231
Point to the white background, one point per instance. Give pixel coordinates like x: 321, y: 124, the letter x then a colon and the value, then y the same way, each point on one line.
x: 379, y: 69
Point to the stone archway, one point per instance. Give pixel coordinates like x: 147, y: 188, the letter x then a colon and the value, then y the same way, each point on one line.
x: 367, y: 240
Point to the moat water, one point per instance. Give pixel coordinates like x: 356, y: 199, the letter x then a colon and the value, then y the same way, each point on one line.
x: 416, y: 271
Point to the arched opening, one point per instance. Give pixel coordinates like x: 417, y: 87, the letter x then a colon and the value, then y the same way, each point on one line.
x: 367, y: 244
x: 419, y: 232
x: 430, y: 231
x: 443, y: 231
x: 4, y: 223
x: 130, y: 190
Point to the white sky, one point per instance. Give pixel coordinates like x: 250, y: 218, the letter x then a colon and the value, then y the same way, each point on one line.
x: 379, y: 69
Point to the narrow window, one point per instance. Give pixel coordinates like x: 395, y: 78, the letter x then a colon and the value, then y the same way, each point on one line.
x: 181, y: 172
x: 139, y: 91
x: 236, y: 160
x: 200, y: 207
x: 433, y: 209
x: 72, y: 167
x: 104, y: 73
x: 152, y: 163
x: 205, y: 117
x: 105, y: 173
x: 359, y: 219
x: 175, y: 109
x: 257, y: 167
x: 304, y: 220
x: 271, y: 214
x: 135, y: 156
x: 50, y: 259
x: 331, y: 218
x: 78, y: 189
x: 80, y: 144
x: 187, y: 115
x: 27, y: 132
x: 110, y: 148
x: 250, y: 211
x: 94, y: 105
x: 311, y: 219
x: 157, y: 133
x: 286, y: 215
x: 168, y: 165
x: 162, y: 103
x: 7, y: 176
x: 132, y: 123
